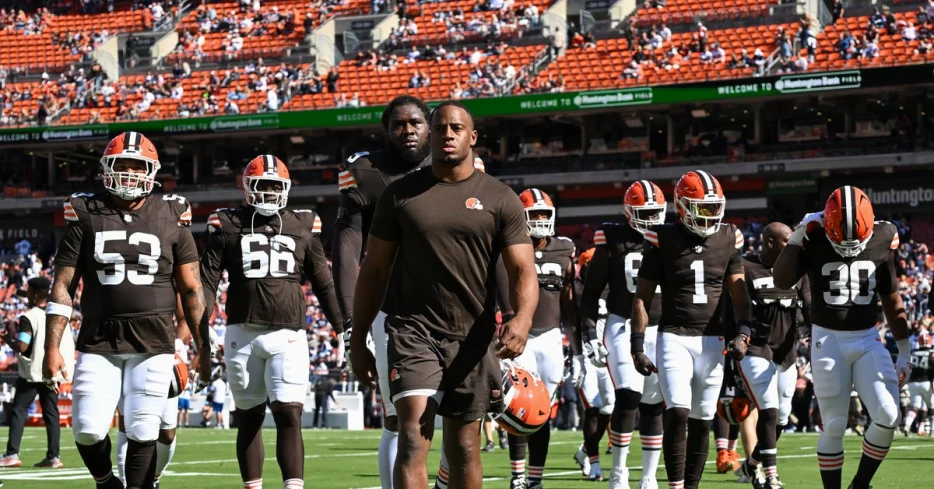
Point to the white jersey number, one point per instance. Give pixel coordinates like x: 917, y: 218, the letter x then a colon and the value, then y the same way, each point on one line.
x: 279, y: 262
x: 118, y: 261
x: 549, y: 269
x: 632, y: 263
x: 855, y: 282
x: 700, y: 296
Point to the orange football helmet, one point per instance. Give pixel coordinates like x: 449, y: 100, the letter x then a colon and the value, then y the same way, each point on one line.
x: 848, y: 221
x: 180, y: 380
x: 644, y: 205
x: 130, y: 185
x: 526, y: 399
x: 700, y: 203
x: 261, y: 177
x: 537, y: 204
x: 734, y: 410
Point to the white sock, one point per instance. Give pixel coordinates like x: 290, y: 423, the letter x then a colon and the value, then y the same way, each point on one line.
x: 620, y: 443
x: 293, y: 484
x: 121, y: 455
x: 910, y: 419
x: 164, y: 454
x: 388, y: 444
x: 651, y: 453
x: 441, y: 482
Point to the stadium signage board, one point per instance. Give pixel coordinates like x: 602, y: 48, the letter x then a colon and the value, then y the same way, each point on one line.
x: 502, y: 106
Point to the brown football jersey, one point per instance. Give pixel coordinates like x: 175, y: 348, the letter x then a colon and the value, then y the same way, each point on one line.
x: 846, y: 291
x: 450, y: 235
x: 363, y: 178
x: 127, y: 260
x: 691, y: 272
x: 551, y: 264
x: 776, y: 311
x: 265, y: 257
x: 616, y: 262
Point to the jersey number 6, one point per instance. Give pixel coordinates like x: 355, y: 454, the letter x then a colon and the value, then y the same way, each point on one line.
x: 279, y: 262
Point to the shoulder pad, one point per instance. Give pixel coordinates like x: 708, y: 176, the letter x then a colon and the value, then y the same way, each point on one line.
x: 214, y: 220
x: 566, y: 243
x: 306, y: 215
x: 887, y: 227
x: 181, y: 206
x: 74, y: 204
x: 740, y: 239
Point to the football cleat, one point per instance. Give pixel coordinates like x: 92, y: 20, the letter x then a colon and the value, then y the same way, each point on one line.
x: 725, y: 462
x: 644, y: 205
x: 699, y: 202
x: 128, y: 185
x: 489, y: 446
x: 619, y: 478
x: 735, y: 456
x: 582, y: 461
x: 517, y: 482
x: 596, y: 474
x: 50, y: 463
x: 770, y: 482
x: 11, y: 460
x: 535, y: 485
x: 848, y: 221
x: 539, y: 213
x: 648, y: 483
x: 266, y: 184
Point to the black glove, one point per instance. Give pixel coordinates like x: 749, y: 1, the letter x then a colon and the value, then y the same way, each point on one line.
x: 643, y: 364
x: 736, y: 348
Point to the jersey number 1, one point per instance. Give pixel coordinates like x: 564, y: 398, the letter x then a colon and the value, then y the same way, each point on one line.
x: 699, y: 297
x: 279, y: 262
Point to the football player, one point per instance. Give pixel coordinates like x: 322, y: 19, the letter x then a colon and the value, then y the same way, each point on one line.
x: 363, y: 178
x: 594, y: 386
x: 127, y: 247
x: 445, y: 227
x: 693, y: 261
x: 266, y: 250
x: 544, y: 352
x: 165, y: 446
x: 616, y: 261
x: 919, y: 386
x: 768, y: 370
x: 850, y: 261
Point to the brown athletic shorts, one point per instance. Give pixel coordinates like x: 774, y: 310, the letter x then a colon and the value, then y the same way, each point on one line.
x: 464, y: 374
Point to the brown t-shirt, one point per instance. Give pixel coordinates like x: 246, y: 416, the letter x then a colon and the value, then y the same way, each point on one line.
x: 450, y: 236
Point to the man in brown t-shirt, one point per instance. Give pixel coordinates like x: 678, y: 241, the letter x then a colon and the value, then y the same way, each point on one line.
x: 445, y: 228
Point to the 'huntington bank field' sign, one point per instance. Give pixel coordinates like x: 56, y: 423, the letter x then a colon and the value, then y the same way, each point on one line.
x: 502, y: 106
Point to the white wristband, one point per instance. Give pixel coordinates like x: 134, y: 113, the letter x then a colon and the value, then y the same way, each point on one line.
x: 54, y: 309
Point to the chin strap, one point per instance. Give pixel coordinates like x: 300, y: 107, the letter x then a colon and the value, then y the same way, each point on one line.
x: 253, y: 221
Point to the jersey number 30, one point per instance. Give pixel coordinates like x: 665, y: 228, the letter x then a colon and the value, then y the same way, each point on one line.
x: 279, y: 262
x: 855, y: 282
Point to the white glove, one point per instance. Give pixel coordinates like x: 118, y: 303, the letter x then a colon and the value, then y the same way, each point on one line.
x: 344, y: 349
x: 801, y: 230
x: 577, y: 371
x: 902, y: 367
x: 595, y: 352
x: 214, y: 342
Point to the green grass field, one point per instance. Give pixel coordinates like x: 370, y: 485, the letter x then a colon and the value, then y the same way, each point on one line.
x: 344, y: 460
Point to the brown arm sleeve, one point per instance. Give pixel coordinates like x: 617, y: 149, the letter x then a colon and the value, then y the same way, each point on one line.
x: 316, y: 268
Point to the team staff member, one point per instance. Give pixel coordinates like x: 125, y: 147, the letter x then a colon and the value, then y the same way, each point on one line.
x: 445, y: 228
x: 23, y: 339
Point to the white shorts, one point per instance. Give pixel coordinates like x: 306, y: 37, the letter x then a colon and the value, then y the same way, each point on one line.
x: 597, y: 389
x: 616, y: 338
x: 141, y: 379
x: 690, y: 372
x: 170, y: 415
x: 544, y: 354
x: 381, y: 352
x: 841, y: 360
x: 769, y: 385
x: 920, y: 394
x: 265, y: 363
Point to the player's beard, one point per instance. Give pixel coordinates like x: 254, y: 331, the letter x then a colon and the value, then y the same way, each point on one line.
x: 405, y: 159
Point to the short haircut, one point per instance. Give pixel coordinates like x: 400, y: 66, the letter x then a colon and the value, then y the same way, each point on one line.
x: 454, y: 103
x: 402, y: 101
x: 39, y: 286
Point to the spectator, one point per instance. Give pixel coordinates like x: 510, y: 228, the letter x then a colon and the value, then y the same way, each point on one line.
x: 837, y: 11
x: 272, y: 100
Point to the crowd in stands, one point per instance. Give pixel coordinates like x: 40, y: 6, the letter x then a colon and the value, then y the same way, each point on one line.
x: 18, y: 21
x: 506, y: 19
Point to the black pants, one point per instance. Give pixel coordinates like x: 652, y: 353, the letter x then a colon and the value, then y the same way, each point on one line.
x: 25, y: 393
x: 321, y: 407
